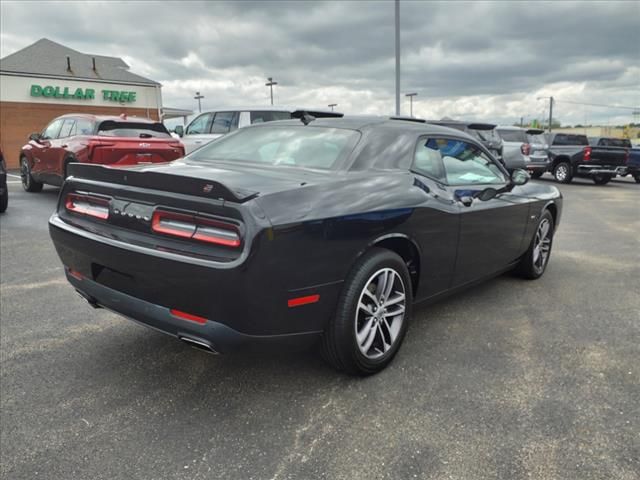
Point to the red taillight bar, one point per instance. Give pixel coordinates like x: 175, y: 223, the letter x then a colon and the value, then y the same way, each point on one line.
x: 196, y: 228
x: 587, y: 154
x: 89, y: 205
x: 188, y: 316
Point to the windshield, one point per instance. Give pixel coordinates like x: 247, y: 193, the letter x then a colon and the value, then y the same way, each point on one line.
x: 111, y: 128
x: 303, y: 146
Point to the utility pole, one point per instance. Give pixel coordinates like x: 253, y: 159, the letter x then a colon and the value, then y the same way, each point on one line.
x: 550, y: 112
x: 270, y: 84
x: 521, y: 122
x: 199, y: 97
x: 331, y: 105
x: 410, y: 95
x: 398, y: 57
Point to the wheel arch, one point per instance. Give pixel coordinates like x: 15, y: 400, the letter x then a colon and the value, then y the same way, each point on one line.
x: 552, y: 208
x: 406, y: 248
x: 560, y: 159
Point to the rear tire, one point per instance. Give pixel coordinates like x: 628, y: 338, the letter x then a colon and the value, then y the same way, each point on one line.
x: 534, y: 262
x: 636, y: 177
x: 562, y: 172
x: 372, y: 315
x: 4, y: 201
x: 28, y: 182
x: 601, y: 179
x: 536, y: 174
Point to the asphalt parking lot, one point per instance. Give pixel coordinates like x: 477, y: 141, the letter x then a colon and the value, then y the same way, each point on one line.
x: 513, y: 379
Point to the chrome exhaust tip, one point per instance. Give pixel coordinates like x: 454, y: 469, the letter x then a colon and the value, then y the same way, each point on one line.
x: 198, y: 343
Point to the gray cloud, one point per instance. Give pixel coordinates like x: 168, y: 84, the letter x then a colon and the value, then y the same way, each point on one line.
x: 470, y: 59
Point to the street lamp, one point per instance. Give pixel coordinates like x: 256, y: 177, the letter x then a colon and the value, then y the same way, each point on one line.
x: 270, y: 84
x: 410, y: 95
x: 331, y: 105
x: 198, y: 97
x: 550, y: 109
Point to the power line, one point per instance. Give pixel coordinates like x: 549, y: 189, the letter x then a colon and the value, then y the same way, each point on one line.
x: 623, y: 107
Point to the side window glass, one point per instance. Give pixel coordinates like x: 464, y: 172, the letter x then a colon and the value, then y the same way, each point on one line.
x: 52, y: 130
x: 465, y: 164
x: 202, y: 124
x: 428, y: 161
x: 83, y: 127
x: 67, y: 128
x: 222, y: 122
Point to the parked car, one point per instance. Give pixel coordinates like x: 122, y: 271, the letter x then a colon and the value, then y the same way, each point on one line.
x: 4, y: 191
x: 571, y: 156
x: 633, y: 164
x: 213, y: 124
x: 484, y: 132
x: 524, y: 148
x: 108, y: 140
x: 290, y: 233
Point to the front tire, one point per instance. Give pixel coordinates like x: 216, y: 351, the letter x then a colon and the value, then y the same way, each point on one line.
x: 372, y: 315
x: 636, y: 177
x: 4, y: 200
x: 601, y: 179
x: 28, y: 182
x: 562, y: 172
x: 534, y: 262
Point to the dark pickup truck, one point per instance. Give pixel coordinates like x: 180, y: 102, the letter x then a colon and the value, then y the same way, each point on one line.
x: 572, y: 156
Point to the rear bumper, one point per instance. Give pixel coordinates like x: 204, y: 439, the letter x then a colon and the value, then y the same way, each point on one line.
x: 245, y: 304
x: 216, y: 336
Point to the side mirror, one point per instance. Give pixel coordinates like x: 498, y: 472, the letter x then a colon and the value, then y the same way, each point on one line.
x: 486, y: 194
x: 36, y: 137
x: 519, y: 177
x: 179, y: 130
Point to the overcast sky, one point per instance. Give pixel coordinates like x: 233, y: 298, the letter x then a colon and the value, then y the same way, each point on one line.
x: 480, y: 61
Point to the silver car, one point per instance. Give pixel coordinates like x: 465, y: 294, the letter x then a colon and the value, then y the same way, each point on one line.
x: 210, y: 125
x: 524, y: 148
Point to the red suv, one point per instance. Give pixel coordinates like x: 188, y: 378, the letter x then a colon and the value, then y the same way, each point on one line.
x: 84, y: 138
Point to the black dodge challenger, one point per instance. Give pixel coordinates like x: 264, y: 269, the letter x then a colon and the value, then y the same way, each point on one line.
x: 295, y: 232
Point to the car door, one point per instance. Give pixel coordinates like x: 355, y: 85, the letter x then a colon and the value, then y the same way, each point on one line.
x: 198, y: 132
x: 58, y: 150
x: 42, y: 149
x: 491, y: 231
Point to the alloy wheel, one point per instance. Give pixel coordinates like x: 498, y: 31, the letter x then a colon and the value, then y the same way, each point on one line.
x: 542, y: 245
x: 561, y: 173
x: 380, y: 313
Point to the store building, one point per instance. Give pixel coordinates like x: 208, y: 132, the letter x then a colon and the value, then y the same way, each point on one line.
x: 46, y: 79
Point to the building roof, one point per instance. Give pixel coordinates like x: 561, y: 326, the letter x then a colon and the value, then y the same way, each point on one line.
x: 48, y: 58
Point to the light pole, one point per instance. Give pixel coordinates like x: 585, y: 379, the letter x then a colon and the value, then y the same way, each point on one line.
x: 270, y: 84
x: 550, y: 109
x: 410, y: 95
x: 397, y: 57
x: 198, y: 97
x: 331, y: 105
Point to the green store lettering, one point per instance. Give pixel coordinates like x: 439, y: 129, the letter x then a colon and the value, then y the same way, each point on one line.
x: 50, y: 91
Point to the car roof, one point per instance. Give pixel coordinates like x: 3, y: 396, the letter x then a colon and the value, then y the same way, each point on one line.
x: 267, y: 108
x: 463, y: 123
x: 103, y: 118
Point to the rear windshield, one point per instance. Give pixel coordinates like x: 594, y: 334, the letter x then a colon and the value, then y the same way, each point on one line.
x: 615, y: 142
x: 568, y: 139
x: 264, y: 116
x: 485, y: 135
x: 304, y: 146
x: 539, y: 139
x: 112, y: 128
x: 513, y: 135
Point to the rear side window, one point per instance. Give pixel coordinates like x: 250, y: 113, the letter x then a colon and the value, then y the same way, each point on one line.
x: 568, y: 139
x: 513, y: 135
x: 484, y: 135
x: 112, y: 128
x: 265, y: 116
x: 83, y: 127
x: 222, y: 122
x: 615, y: 142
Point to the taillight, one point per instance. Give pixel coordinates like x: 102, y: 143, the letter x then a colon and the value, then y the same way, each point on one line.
x: 88, y: 205
x: 196, y: 228
x: 587, y: 154
x: 525, y: 148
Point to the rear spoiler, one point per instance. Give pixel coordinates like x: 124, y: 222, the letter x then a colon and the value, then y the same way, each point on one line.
x: 534, y: 131
x: 316, y: 114
x: 137, y: 177
x: 481, y: 126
